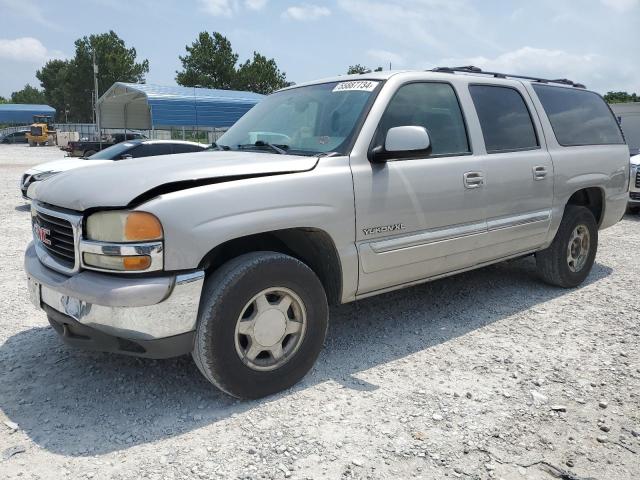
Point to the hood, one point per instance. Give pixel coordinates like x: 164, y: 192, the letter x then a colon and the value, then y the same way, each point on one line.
x: 121, y: 184
x: 64, y: 165
x: 635, y: 160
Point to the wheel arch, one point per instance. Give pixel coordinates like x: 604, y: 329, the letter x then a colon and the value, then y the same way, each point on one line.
x: 591, y: 197
x: 312, y: 246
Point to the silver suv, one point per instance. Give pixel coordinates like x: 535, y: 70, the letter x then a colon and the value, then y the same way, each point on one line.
x: 323, y: 193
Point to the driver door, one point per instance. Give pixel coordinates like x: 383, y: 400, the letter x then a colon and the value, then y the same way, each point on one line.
x: 419, y: 217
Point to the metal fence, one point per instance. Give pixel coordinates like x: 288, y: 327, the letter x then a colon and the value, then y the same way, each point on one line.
x: 88, y: 131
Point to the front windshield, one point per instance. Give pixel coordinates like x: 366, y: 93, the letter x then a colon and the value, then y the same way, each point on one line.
x: 113, y: 152
x: 304, y: 121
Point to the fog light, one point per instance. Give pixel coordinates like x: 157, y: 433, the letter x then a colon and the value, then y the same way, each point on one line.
x: 117, y: 263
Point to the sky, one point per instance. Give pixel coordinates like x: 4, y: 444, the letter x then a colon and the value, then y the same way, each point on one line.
x: 596, y: 42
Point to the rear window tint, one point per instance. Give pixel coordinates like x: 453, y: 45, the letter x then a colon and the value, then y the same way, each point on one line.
x: 504, y: 118
x: 578, y: 117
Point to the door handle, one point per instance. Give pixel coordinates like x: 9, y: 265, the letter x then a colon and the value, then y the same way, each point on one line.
x: 539, y: 173
x: 473, y: 179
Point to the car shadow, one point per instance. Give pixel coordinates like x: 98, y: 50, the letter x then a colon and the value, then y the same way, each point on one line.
x: 78, y: 403
x: 23, y: 208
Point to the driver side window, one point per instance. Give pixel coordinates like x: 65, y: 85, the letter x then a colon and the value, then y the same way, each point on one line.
x: 433, y: 106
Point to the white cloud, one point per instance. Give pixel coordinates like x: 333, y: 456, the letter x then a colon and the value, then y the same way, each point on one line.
x: 26, y: 49
x: 306, y: 12
x: 385, y: 57
x: 219, y: 8
x: 255, y: 4
x: 621, y: 5
x: 591, y: 69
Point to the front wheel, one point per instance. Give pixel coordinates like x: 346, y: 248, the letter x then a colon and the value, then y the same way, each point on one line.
x: 262, y: 323
x: 568, y: 260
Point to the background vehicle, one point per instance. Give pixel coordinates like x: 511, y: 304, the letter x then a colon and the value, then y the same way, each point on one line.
x: 322, y: 193
x: 120, y: 151
x: 86, y: 148
x: 42, y: 131
x: 634, y: 185
x: 15, y: 137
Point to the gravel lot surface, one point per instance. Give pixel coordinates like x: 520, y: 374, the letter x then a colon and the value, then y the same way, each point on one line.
x: 490, y: 374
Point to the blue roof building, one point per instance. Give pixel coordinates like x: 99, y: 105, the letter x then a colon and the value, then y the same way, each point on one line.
x: 22, y: 113
x: 148, y: 106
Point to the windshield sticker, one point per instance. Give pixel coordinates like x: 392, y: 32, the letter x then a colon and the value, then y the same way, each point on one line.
x: 359, y: 85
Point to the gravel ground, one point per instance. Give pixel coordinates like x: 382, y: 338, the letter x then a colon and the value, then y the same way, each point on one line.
x: 489, y: 374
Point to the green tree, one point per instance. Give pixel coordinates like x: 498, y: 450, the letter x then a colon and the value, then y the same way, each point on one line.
x: 211, y: 62
x: 260, y: 75
x: 3, y: 100
x: 53, y: 77
x: 621, y: 97
x: 28, y: 94
x: 116, y: 63
x: 360, y: 69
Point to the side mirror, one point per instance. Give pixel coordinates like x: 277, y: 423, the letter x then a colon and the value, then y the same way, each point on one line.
x: 126, y: 156
x: 402, y: 142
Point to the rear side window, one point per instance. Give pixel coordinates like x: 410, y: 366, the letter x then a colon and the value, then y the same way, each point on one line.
x: 504, y: 118
x: 185, y: 148
x: 578, y: 117
x: 151, y: 149
x: 433, y: 106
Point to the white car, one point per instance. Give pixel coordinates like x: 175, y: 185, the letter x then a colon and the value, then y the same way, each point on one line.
x: 634, y: 185
x: 120, y: 151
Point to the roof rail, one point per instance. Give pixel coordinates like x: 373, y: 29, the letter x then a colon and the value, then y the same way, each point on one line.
x: 476, y: 70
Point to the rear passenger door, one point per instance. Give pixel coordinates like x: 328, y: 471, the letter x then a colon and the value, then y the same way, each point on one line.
x: 519, y: 170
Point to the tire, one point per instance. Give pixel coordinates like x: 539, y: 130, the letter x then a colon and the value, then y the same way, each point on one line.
x: 228, y: 294
x: 553, y: 264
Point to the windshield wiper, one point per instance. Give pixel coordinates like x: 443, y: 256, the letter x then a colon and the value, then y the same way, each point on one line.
x: 215, y: 146
x: 279, y: 149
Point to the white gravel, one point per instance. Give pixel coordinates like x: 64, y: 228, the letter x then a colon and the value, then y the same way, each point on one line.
x: 490, y: 374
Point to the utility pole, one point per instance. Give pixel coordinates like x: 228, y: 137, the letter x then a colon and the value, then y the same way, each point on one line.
x: 95, y: 101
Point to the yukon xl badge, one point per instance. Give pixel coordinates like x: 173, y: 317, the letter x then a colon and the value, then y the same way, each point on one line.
x: 383, y: 229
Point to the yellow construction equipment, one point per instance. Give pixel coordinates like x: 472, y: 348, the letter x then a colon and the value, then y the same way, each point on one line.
x: 42, y: 131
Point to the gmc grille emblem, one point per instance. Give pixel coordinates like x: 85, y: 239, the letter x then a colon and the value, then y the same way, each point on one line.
x: 42, y: 234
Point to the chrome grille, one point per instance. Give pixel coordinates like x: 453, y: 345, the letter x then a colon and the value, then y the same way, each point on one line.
x: 638, y: 178
x: 56, y: 235
x: 634, y: 195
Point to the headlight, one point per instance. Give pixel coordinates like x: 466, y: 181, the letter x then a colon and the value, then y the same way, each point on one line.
x: 38, y: 177
x: 123, y: 226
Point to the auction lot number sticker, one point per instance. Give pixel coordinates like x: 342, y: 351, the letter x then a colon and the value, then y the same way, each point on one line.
x: 356, y: 85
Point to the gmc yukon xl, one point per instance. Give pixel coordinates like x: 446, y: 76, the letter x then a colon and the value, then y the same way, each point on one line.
x: 326, y: 192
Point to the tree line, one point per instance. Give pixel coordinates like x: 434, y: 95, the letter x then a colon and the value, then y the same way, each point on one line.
x: 209, y: 62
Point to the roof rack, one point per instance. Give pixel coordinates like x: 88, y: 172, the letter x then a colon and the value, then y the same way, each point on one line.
x: 472, y: 69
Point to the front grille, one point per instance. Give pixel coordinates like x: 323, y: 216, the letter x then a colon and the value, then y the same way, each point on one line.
x: 638, y: 179
x: 634, y: 195
x: 55, y: 235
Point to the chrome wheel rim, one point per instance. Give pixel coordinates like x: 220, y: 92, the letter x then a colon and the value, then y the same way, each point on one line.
x: 270, y: 328
x: 578, y: 248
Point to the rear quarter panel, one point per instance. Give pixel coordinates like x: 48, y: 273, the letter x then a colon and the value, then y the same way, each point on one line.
x: 576, y: 167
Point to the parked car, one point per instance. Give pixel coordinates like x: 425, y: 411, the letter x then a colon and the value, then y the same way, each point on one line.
x: 634, y: 185
x: 15, y: 137
x: 86, y: 148
x: 119, y: 151
x: 326, y: 192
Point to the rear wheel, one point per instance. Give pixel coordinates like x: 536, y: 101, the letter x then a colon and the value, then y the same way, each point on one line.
x: 262, y: 323
x: 569, y: 259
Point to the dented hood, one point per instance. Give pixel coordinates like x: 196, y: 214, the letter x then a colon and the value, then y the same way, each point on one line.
x: 125, y: 183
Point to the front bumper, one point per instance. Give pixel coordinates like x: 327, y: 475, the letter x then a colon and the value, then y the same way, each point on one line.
x: 143, y: 310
